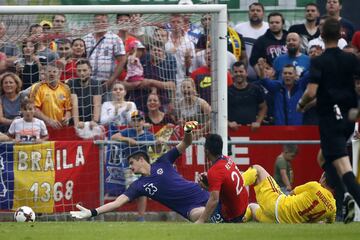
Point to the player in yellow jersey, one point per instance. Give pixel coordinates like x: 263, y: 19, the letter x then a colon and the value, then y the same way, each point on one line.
x: 308, y: 203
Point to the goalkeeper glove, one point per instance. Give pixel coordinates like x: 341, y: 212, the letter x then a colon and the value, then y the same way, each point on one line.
x: 189, y: 126
x: 83, y: 213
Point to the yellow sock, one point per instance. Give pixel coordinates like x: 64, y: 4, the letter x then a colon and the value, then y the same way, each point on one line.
x: 248, y: 215
x: 249, y: 176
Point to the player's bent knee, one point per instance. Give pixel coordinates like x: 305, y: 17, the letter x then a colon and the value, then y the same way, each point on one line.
x: 261, y: 172
x: 195, y: 213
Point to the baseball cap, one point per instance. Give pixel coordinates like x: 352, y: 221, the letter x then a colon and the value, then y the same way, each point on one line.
x: 135, y: 44
x: 137, y: 114
x: 45, y: 22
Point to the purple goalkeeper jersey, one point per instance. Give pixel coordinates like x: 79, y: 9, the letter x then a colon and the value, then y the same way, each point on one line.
x: 167, y: 186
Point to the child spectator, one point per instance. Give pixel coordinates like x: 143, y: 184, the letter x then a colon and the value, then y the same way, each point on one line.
x: 135, y: 71
x: 28, y: 128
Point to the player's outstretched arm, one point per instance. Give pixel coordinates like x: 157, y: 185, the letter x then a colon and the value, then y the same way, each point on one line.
x: 187, y: 140
x: 111, y: 206
x: 210, y: 207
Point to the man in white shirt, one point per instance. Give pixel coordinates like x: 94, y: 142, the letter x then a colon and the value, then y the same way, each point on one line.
x: 106, y: 52
x: 181, y: 47
x: 252, y: 30
x: 320, y: 42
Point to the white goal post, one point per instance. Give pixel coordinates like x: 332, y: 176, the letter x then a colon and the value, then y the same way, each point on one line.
x: 219, y: 40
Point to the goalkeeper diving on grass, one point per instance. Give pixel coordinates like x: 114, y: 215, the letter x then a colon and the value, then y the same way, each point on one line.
x: 160, y: 182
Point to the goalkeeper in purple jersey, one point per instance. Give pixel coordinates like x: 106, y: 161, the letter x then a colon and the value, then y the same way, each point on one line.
x: 160, y: 182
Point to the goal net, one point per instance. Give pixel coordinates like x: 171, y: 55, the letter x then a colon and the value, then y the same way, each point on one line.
x: 172, y: 70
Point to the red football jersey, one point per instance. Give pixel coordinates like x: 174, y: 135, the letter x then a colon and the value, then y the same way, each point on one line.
x: 226, y: 178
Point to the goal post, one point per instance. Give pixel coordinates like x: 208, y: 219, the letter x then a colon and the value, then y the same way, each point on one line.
x: 219, y: 41
x: 73, y: 168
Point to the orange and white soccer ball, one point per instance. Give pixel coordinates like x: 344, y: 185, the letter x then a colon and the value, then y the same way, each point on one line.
x: 24, y: 214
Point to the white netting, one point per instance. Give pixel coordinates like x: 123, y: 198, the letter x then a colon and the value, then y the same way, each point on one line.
x: 170, y: 56
x: 34, y: 43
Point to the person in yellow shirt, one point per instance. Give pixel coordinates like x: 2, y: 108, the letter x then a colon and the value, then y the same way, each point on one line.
x: 309, y: 203
x: 52, y: 99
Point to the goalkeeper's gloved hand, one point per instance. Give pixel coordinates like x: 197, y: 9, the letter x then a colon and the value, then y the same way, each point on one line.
x: 82, y: 214
x: 189, y: 126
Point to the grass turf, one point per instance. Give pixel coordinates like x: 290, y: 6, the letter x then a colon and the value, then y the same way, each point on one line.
x: 169, y: 231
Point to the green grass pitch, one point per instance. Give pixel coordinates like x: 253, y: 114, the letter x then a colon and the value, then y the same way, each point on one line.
x: 170, y: 230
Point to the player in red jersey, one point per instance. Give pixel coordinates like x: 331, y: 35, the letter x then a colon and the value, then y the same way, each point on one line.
x: 225, y: 184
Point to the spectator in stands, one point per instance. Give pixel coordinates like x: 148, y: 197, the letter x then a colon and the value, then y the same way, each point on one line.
x: 124, y: 22
x: 310, y: 29
x: 272, y: 43
x: 78, y: 49
x: 29, y: 64
x: 106, y: 53
x: 315, y: 50
x: 246, y: 101
x: 36, y: 34
x: 293, y: 56
x: 287, y: 93
x: 267, y: 71
x: 10, y: 49
x: 58, y: 23
x: 192, y: 30
x: 205, y: 42
x: 65, y: 63
x: 134, y: 68
x: 251, y: 31
x: 52, y: 99
x: 161, y: 35
x: 180, y: 45
x: 202, y: 78
x: 28, y: 128
x: 57, y: 30
x: 333, y: 8
x: 85, y: 96
x: 283, y: 170
x: 160, y: 76
x: 46, y: 25
x: 319, y: 41
x: 78, y: 52
x: 118, y: 110
x: 130, y: 137
x: 204, y: 38
x: 154, y: 115
x: 10, y: 99
x: 136, y: 29
x: 192, y: 108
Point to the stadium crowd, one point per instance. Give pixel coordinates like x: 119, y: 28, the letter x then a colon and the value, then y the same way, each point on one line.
x: 71, y: 79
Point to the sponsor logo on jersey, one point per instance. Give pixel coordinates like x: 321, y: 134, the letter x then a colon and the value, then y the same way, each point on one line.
x: 160, y: 171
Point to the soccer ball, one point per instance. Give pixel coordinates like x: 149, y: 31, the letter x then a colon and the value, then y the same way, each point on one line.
x: 24, y: 214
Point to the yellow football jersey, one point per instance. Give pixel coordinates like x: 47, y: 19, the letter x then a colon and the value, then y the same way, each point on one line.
x: 310, y: 203
x: 53, y: 102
